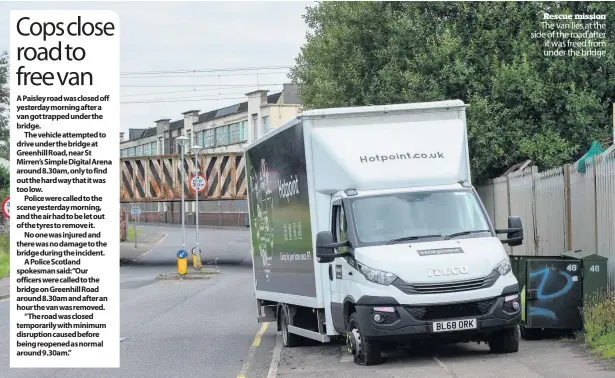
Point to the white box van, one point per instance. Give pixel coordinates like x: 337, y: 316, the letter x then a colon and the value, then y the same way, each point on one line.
x: 365, y: 225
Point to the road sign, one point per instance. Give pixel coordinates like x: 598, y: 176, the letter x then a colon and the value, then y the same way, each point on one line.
x: 198, y: 182
x: 135, y: 211
x: 6, y: 205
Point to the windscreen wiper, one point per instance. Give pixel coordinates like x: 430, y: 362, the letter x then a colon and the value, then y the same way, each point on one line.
x: 447, y: 237
x: 406, y: 238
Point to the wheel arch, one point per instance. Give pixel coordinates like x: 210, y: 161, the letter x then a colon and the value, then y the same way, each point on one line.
x: 349, y: 308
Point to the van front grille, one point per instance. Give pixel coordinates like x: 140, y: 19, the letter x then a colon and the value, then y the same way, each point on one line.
x: 446, y: 287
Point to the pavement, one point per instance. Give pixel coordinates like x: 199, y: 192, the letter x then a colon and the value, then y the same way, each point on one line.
x: 548, y: 358
x: 147, y: 238
x: 5, y: 287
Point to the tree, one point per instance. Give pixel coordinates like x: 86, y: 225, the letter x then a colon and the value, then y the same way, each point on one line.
x: 5, y: 183
x: 4, y: 101
x: 523, y: 105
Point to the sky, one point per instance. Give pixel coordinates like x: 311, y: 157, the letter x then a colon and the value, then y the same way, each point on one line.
x: 238, y: 46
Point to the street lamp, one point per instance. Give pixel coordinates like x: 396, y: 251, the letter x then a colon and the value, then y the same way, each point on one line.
x: 181, y: 142
x: 196, y: 259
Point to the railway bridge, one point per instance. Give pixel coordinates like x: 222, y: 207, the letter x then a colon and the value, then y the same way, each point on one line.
x: 154, y: 182
x: 158, y: 178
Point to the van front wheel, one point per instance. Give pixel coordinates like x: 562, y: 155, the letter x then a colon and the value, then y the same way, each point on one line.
x: 365, y: 352
x: 505, y: 341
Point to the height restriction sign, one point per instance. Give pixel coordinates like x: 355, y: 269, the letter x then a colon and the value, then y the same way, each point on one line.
x: 6, y: 205
x: 198, y: 182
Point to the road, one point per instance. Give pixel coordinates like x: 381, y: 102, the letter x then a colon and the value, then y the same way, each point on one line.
x: 177, y: 328
x: 208, y: 328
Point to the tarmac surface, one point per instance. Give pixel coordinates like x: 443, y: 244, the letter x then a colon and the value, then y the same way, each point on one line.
x: 207, y: 328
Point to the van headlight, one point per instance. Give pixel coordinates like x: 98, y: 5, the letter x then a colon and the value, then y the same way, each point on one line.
x: 504, y: 267
x: 377, y: 276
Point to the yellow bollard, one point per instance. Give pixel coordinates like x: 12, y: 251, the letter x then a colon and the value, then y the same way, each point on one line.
x: 182, y: 262
x: 197, y: 263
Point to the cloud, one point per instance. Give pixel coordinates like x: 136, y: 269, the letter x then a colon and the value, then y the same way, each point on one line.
x: 193, y: 35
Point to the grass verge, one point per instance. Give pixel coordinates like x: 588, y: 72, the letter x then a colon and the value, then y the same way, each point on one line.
x: 599, y: 317
x: 4, y: 256
x: 130, y: 234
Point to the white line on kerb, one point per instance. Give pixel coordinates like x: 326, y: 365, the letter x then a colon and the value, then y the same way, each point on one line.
x: 149, y: 250
x: 275, y: 359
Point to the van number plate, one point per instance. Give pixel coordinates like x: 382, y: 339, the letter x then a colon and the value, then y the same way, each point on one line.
x: 454, y: 325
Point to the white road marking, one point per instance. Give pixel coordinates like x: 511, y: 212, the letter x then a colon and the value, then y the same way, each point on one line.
x: 441, y: 364
x: 153, y: 246
x: 275, y: 359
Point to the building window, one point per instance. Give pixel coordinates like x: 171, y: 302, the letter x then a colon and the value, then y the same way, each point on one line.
x: 189, y: 135
x: 223, y: 136
x: 123, y: 153
x: 234, y: 131
x: 172, y: 145
x: 210, y: 140
x: 265, y: 121
x: 139, y: 151
x: 153, y: 148
x: 243, y: 132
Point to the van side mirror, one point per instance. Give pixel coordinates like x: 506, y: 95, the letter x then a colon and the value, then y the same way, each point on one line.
x: 325, y: 247
x: 514, y: 232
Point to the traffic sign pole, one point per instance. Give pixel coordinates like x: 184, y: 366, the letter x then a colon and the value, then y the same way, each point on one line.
x: 197, y: 261
x: 134, y: 227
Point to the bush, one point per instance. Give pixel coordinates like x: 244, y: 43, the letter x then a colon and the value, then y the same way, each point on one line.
x: 599, y: 317
x: 4, y: 256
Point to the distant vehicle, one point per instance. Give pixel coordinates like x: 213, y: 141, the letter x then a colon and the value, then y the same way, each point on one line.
x: 365, y: 225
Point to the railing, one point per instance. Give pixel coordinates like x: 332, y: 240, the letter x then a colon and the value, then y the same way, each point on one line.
x: 561, y: 209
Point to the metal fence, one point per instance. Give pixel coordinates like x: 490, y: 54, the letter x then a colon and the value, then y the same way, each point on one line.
x: 561, y: 209
x: 222, y: 206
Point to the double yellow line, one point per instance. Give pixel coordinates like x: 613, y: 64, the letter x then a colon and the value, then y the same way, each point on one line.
x: 255, y: 344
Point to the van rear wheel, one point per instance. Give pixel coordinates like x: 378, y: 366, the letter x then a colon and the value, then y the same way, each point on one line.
x: 365, y: 352
x: 289, y: 340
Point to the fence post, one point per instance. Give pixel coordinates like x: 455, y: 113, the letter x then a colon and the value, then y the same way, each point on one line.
x: 534, y: 174
x: 508, y: 194
x: 512, y: 252
x: 567, y: 208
